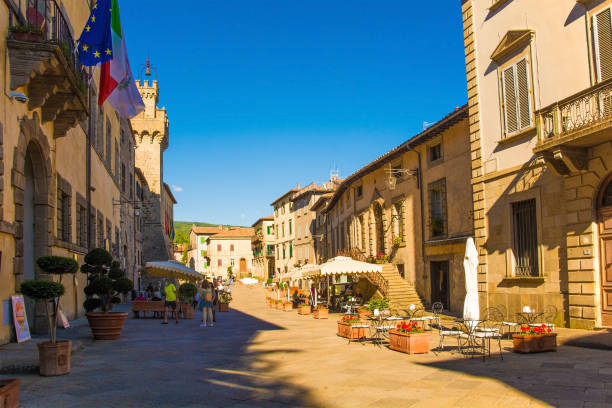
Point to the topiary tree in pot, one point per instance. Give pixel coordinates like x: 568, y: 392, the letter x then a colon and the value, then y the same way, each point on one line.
x: 53, y: 355
x: 105, y: 282
x: 186, y: 293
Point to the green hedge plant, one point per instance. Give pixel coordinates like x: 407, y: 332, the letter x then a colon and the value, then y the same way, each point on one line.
x: 105, y: 281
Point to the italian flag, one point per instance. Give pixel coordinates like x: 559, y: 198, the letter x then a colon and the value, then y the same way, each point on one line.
x: 116, y: 81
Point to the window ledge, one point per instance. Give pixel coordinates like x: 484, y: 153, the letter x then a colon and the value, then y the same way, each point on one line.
x: 497, y: 5
x: 517, y: 280
x: 523, y: 134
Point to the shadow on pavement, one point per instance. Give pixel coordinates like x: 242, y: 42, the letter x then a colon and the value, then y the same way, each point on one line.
x: 155, y: 365
x: 557, y: 378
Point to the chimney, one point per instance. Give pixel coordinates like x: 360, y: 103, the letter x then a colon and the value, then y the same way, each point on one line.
x: 298, y: 186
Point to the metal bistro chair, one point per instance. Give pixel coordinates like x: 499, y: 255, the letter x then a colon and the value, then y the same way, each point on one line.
x: 418, y: 315
x: 507, y: 323
x: 549, y: 314
x: 490, y: 328
x: 436, y: 311
x: 444, y: 332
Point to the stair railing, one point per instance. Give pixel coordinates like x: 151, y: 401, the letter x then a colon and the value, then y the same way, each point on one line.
x: 380, y: 282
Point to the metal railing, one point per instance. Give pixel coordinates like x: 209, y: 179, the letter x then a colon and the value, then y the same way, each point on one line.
x: 586, y: 108
x: 43, y: 21
x: 380, y: 282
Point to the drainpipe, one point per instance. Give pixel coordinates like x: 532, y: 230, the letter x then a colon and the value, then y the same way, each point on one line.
x: 420, y: 187
x: 88, y: 167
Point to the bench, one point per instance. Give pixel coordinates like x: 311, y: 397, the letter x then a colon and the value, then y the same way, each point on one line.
x: 156, y: 307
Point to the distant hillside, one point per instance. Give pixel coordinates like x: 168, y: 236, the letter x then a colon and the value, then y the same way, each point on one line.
x: 182, y: 229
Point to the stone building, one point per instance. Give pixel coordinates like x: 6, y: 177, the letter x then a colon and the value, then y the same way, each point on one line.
x: 62, y: 190
x: 263, y: 247
x: 303, y: 201
x: 231, y: 248
x: 541, y: 148
x: 284, y: 221
x: 198, y: 256
x: 151, y: 130
x: 404, y: 206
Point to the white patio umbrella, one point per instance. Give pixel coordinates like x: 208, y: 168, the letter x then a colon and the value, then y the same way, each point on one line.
x: 471, y: 310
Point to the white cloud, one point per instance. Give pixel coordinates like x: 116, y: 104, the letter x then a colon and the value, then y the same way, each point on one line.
x: 177, y: 188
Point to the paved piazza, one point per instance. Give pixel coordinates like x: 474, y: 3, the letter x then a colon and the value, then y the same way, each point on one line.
x: 255, y: 357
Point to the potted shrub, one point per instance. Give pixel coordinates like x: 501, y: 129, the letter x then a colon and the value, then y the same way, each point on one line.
x: 380, y: 304
x: 409, y: 338
x: 186, y: 293
x: 53, y: 355
x: 224, y: 300
x: 287, y: 306
x: 278, y: 304
x: 397, y: 242
x: 321, y: 312
x: 345, y: 330
x: 9, y: 392
x: 534, y: 339
x: 105, y: 281
x: 304, y: 309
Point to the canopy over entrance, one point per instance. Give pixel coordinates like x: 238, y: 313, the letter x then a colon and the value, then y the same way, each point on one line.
x: 172, y: 269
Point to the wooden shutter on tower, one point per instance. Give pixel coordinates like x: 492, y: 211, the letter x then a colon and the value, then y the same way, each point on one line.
x: 602, y: 36
x: 522, y: 79
x: 509, y: 95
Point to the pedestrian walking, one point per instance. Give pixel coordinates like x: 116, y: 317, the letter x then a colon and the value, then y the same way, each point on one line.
x: 170, y: 291
x: 207, y: 310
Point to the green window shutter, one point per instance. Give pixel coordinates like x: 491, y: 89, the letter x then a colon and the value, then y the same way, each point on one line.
x: 268, y: 230
x: 202, y: 240
x: 203, y: 253
x: 290, y: 250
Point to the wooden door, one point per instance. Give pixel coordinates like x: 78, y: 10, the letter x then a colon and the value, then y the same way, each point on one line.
x: 605, y: 230
x: 243, y: 265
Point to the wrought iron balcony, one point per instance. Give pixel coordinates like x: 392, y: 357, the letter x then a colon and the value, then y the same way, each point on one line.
x: 43, y: 60
x: 568, y: 127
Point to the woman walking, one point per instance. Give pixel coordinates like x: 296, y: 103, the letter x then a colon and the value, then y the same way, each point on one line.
x: 206, y: 294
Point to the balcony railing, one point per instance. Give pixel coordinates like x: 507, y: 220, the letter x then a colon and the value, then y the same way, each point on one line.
x: 43, y: 21
x: 583, y: 111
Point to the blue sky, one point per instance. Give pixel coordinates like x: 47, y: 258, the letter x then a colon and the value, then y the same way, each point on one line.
x: 263, y: 95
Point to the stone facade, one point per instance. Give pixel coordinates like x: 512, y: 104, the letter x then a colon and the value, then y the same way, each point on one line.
x: 542, y: 147
x: 151, y: 131
x: 403, y: 206
x: 231, y: 248
x: 284, y: 226
x: 60, y: 165
x: 263, y: 247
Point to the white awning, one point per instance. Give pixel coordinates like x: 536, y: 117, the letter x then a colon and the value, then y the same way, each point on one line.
x: 343, y: 265
x: 172, y: 269
x: 299, y: 273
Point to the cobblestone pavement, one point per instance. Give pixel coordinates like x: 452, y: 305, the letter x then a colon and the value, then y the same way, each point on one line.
x: 255, y: 356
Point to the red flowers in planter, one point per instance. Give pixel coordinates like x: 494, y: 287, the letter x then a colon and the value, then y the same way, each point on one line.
x: 535, y: 330
x: 411, y: 327
x: 350, y: 319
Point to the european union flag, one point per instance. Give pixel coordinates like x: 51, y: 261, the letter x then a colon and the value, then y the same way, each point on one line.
x: 95, y: 43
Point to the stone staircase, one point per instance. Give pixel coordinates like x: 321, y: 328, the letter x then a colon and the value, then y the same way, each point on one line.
x: 401, y: 293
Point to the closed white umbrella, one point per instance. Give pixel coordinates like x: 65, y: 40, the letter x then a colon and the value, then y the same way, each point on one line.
x: 471, y: 310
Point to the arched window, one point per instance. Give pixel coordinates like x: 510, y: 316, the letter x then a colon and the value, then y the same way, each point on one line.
x: 606, y: 199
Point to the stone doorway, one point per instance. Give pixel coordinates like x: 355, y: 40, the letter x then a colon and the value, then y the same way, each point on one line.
x: 379, y: 229
x: 605, y: 238
x: 34, y: 204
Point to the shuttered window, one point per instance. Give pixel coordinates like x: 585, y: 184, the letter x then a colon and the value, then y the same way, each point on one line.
x: 516, y: 98
x: 602, y: 38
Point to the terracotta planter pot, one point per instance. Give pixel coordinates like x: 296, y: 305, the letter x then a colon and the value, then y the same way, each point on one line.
x: 106, y: 326
x: 54, y: 359
x: 224, y: 307
x: 534, y: 344
x: 287, y: 307
x: 409, y: 343
x: 344, y: 330
x: 321, y: 313
x: 187, y: 311
x: 304, y: 310
x: 364, y: 314
x: 9, y: 392
x: 278, y: 306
